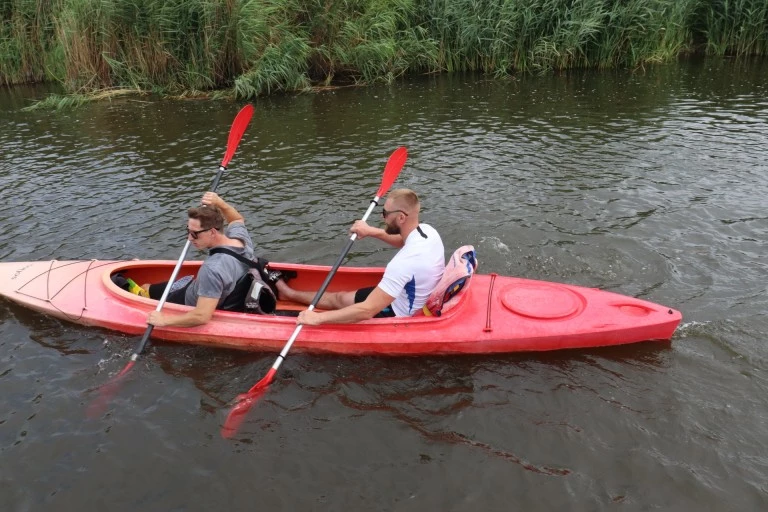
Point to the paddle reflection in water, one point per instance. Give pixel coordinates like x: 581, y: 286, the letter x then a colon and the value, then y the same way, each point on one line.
x: 442, y: 400
x: 431, y: 397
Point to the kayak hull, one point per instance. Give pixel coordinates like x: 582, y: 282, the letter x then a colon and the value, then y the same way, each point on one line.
x: 493, y: 314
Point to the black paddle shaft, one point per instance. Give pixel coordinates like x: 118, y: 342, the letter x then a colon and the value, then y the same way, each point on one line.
x: 332, y: 273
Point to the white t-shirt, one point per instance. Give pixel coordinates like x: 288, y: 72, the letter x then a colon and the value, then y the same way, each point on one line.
x: 415, y: 270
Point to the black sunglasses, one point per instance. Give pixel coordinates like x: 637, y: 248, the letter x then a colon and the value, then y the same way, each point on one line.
x: 195, y: 234
x: 385, y: 213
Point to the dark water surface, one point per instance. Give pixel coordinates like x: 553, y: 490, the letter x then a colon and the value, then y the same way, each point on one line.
x: 650, y: 184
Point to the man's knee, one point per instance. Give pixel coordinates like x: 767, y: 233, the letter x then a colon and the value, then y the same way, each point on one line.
x: 339, y: 300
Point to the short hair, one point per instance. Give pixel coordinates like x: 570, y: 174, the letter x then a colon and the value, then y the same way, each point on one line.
x: 406, y: 198
x: 209, y: 217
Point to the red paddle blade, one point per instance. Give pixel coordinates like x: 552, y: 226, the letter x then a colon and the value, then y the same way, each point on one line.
x: 392, y: 170
x: 238, y: 413
x: 236, y: 132
x: 107, y: 391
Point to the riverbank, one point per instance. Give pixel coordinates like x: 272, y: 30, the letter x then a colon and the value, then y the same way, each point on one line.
x: 246, y: 49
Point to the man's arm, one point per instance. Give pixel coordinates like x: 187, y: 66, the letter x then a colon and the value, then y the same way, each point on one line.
x: 202, y: 314
x: 230, y: 214
x: 362, y: 229
x: 377, y: 300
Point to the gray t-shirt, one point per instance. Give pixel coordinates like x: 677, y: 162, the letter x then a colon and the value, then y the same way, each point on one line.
x: 219, y: 273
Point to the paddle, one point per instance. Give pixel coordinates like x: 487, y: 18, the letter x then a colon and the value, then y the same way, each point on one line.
x: 246, y: 400
x: 235, y: 134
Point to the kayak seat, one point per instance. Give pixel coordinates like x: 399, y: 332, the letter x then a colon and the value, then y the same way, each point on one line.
x: 456, y: 277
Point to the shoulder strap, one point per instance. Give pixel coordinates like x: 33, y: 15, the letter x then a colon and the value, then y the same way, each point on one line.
x: 253, y: 264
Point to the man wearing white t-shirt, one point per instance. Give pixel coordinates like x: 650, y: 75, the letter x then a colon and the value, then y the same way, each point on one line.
x: 408, y: 279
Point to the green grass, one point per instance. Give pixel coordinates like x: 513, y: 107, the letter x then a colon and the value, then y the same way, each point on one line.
x: 248, y: 48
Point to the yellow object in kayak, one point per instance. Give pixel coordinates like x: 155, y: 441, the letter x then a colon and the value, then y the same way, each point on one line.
x: 134, y: 288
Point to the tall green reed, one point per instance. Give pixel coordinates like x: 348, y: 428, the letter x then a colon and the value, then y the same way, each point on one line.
x: 254, y: 47
x: 544, y: 35
x: 28, y: 49
x: 736, y: 27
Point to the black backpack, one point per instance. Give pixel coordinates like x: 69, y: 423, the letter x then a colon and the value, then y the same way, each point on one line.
x: 251, y: 294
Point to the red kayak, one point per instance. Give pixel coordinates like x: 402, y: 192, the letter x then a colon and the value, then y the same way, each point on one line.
x: 492, y: 314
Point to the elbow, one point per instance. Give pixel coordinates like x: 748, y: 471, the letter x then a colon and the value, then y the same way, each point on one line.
x: 199, y: 318
x: 366, y: 314
x: 349, y: 316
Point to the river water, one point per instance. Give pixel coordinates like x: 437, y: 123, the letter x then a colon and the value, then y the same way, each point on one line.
x: 650, y: 183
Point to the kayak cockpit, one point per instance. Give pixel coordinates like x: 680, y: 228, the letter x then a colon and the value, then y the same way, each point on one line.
x: 308, y: 277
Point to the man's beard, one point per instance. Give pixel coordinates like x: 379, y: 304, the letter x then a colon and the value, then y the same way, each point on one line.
x: 392, y: 229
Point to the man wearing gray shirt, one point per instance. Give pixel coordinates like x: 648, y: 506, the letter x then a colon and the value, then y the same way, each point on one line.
x: 219, y: 273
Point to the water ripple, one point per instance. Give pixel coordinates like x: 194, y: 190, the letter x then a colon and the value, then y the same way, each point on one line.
x: 649, y: 184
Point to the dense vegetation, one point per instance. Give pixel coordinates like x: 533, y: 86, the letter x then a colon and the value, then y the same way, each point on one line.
x: 254, y: 47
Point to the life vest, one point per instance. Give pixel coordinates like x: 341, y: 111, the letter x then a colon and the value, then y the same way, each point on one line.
x: 458, y: 271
